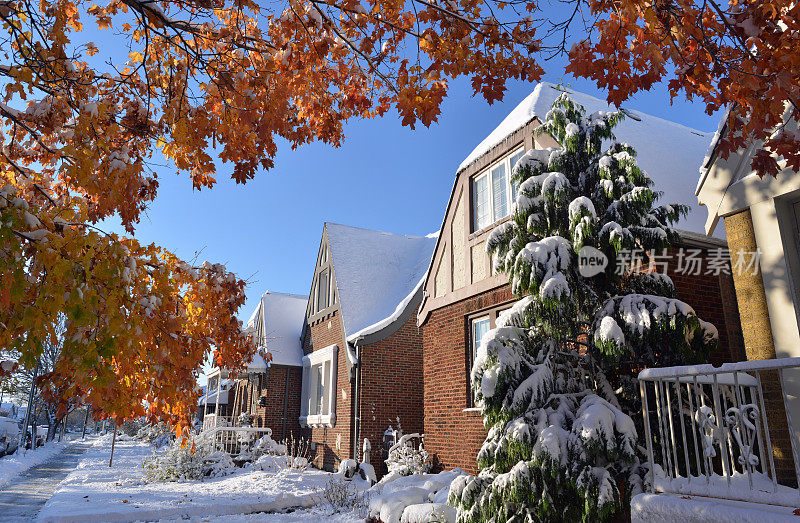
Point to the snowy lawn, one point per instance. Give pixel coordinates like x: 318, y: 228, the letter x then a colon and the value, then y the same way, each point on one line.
x: 15, y: 464
x: 93, y: 491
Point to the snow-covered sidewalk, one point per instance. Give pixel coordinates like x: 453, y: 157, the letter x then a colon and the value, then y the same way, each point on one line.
x: 12, y: 465
x: 95, y: 492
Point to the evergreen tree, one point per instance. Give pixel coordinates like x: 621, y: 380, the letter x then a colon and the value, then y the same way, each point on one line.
x: 556, y: 377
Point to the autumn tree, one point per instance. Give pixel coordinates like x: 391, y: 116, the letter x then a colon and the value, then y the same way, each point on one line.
x: 216, y: 82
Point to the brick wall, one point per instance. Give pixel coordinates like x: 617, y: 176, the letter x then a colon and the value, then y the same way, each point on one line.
x: 453, y: 436
x: 333, y: 443
x: 274, y: 387
x: 391, y: 387
x: 712, y: 297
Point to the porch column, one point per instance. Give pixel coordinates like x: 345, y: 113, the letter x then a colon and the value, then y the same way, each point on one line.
x: 216, y: 407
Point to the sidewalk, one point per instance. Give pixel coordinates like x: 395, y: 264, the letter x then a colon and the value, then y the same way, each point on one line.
x: 24, y: 497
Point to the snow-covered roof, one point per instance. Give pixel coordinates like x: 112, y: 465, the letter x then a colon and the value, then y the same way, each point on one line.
x: 282, y: 317
x: 377, y: 274
x: 669, y: 152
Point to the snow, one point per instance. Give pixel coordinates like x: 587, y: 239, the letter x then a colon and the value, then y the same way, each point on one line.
x: 281, y: 317
x: 707, y: 368
x: 668, y: 151
x: 95, y: 492
x: 377, y: 273
x: 414, y: 498
x: 667, y: 508
x: 610, y: 331
x: 15, y: 464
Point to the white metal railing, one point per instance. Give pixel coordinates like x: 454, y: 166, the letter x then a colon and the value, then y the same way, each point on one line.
x: 235, y: 441
x: 211, y: 421
x: 724, y: 432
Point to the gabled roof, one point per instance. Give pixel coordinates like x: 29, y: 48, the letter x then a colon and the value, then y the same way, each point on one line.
x: 378, y: 275
x: 278, y: 321
x: 669, y: 152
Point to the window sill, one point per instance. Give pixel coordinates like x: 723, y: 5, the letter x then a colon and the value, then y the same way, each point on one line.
x: 472, y: 409
x: 318, y: 420
x: 488, y: 228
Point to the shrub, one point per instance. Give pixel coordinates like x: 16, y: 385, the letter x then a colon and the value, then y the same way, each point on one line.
x: 182, y: 461
x: 339, y: 495
x: 405, y: 460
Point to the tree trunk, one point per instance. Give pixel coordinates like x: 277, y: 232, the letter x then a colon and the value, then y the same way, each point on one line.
x: 113, y: 442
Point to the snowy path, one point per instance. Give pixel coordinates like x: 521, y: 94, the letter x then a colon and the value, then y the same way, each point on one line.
x: 22, y: 499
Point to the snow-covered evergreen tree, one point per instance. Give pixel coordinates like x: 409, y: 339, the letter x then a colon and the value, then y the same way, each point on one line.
x: 556, y: 377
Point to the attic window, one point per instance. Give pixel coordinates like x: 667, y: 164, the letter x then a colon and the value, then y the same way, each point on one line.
x: 493, y: 194
x: 323, y: 290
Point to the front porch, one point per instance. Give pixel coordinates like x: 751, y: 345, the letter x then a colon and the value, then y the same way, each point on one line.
x: 721, y: 439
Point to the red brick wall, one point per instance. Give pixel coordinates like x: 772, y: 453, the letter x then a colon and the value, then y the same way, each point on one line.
x: 391, y: 387
x: 713, y: 299
x: 272, y: 416
x: 455, y: 436
x: 333, y: 443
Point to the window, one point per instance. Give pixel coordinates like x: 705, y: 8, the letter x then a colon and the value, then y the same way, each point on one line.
x: 493, y: 193
x: 478, y: 326
x: 323, y: 290
x: 318, y: 406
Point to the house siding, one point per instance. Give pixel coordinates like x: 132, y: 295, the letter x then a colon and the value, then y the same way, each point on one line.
x: 391, y: 388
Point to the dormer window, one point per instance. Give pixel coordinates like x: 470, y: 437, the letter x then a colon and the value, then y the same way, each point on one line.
x: 493, y: 193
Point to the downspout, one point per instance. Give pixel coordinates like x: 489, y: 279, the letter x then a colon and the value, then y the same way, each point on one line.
x: 285, y: 401
x: 356, y: 436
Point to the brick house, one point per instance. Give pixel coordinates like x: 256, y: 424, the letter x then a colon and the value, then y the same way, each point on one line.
x: 462, y: 295
x: 362, y: 366
x: 268, y: 391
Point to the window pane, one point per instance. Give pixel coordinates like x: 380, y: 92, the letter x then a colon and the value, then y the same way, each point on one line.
x: 320, y: 389
x: 481, y: 211
x: 511, y: 164
x: 499, y: 193
x: 480, y: 327
x: 322, y: 291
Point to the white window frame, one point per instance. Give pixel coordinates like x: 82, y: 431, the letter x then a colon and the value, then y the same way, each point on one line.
x: 473, y: 347
x: 326, y: 360
x: 510, y: 190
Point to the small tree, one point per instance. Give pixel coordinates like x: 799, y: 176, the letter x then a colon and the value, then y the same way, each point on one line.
x: 555, y: 378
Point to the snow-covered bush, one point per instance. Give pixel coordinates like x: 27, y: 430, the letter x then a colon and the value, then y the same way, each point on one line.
x: 269, y: 455
x: 156, y: 435
x: 183, y: 461
x: 556, y: 378
x: 245, y: 419
x: 339, y: 495
x: 414, y: 499
x: 404, y: 459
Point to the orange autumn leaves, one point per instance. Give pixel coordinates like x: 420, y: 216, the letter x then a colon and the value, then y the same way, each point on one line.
x: 742, y: 55
x: 215, y: 83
